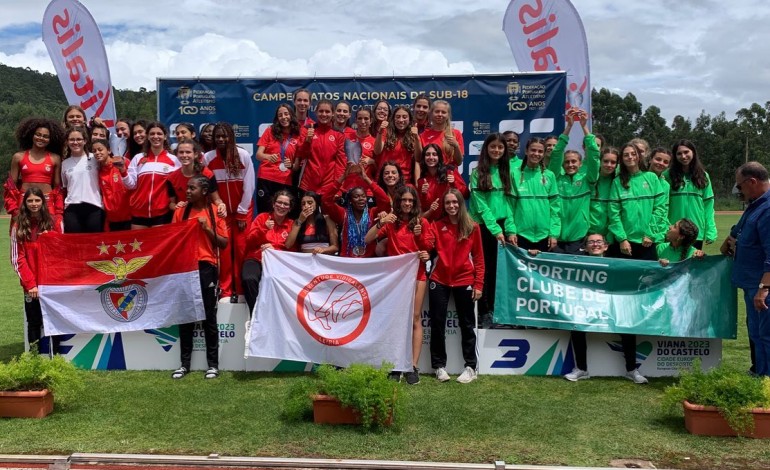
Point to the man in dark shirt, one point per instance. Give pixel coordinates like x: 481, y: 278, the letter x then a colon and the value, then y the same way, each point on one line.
x: 749, y: 243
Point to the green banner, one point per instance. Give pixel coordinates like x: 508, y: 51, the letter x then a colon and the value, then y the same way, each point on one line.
x: 692, y: 298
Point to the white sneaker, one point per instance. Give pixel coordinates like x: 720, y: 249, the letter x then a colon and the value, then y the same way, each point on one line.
x: 468, y: 376
x: 577, y: 374
x: 441, y: 375
x: 636, y: 377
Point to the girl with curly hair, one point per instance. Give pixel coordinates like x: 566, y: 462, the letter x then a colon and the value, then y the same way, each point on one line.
x: 37, y: 164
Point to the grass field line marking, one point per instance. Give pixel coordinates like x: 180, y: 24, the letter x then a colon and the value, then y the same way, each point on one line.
x: 86, y: 459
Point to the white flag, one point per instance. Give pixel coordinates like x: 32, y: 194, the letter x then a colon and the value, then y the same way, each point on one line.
x: 334, y: 310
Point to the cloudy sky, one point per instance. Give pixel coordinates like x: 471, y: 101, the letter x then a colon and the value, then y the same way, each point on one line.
x: 683, y: 56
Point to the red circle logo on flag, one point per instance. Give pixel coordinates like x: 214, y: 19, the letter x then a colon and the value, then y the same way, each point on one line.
x: 334, y: 309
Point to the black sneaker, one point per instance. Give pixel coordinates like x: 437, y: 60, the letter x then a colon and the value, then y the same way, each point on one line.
x: 413, y: 376
x: 179, y: 373
x: 395, y: 376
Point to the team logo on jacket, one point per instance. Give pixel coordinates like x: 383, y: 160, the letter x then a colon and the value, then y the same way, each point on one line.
x: 123, y: 299
x: 334, y: 309
x: 48, y: 168
x: 367, y: 145
x: 331, y: 138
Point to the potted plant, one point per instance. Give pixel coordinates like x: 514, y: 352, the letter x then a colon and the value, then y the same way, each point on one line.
x: 30, y: 383
x: 358, y: 394
x: 724, y: 401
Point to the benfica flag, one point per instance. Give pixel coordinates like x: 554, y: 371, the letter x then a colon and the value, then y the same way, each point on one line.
x: 120, y: 281
x: 333, y: 310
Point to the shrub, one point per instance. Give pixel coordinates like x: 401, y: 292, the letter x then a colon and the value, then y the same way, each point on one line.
x: 732, y: 391
x: 32, y: 371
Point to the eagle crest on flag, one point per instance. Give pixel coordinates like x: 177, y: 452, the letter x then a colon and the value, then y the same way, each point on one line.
x: 123, y: 299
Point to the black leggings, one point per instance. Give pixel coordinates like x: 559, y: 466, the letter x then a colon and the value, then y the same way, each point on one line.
x: 628, y: 342
x: 438, y: 299
x: 489, y: 245
x: 251, y: 275
x: 83, y: 218
x: 526, y: 244
x: 641, y: 252
x: 208, y: 275
x: 34, y: 315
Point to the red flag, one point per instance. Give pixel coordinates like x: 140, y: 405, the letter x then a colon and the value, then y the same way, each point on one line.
x: 120, y: 281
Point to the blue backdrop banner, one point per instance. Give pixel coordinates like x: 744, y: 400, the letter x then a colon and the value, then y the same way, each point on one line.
x: 528, y: 103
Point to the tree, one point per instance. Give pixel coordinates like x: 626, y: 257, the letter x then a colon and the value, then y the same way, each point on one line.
x: 653, y: 128
x: 754, y: 123
x: 615, y: 117
x: 681, y: 127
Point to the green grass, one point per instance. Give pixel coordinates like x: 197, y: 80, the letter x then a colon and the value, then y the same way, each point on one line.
x: 523, y: 420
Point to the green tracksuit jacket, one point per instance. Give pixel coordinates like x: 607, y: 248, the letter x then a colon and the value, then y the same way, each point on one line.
x: 639, y: 210
x: 535, y: 203
x: 487, y: 207
x: 674, y: 255
x: 575, y: 191
x: 695, y: 204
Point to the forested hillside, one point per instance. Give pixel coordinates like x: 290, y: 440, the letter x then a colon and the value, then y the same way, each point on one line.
x: 25, y: 92
x: 723, y: 143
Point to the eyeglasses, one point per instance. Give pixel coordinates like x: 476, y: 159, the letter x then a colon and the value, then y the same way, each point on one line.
x: 76, y: 141
x: 738, y: 186
x: 595, y: 242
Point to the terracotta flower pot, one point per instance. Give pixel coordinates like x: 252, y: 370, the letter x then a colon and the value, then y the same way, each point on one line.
x: 706, y: 421
x: 26, y: 404
x: 329, y: 410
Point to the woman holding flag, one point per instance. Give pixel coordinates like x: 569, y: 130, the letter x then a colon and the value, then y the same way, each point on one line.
x: 33, y: 220
x: 691, y: 196
x: 403, y: 231
x: 313, y: 232
x: 637, y: 207
x: 490, y: 206
x: 276, y: 151
x: 356, y: 218
x: 214, y: 237
x: 268, y: 231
